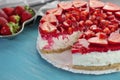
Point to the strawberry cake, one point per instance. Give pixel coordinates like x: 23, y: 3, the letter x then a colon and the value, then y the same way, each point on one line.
x: 91, y: 30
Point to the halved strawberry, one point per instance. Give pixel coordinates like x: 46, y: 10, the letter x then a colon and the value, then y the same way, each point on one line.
x: 49, y: 18
x: 96, y: 4
x: 47, y: 27
x: 114, y: 38
x: 98, y: 41
x: 111, y: 7
x: 65, y: 5
x: 8, y: 10
x: 3, y: 21
x: 101, y: 35
x: 55, y: 11
x: 3, y: 14
x: 79, y: 3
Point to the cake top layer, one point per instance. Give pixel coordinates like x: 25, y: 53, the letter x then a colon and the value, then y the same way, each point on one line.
x: 99, y: 22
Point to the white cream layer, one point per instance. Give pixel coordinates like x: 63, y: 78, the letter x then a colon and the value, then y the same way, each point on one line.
x: 60, y: 42
x: 96, y: 58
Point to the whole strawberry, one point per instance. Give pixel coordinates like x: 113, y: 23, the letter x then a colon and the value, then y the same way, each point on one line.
x: 3, y: 14
x: 25, y: 16
x: 19, y: 10
x: 8, y: 10
x: 3, y: 21
x: 9, y: 29
x: 5, y: 30
x: 14, y: 18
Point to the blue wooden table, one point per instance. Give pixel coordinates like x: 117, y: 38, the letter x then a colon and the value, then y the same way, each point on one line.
x: 19, y: 60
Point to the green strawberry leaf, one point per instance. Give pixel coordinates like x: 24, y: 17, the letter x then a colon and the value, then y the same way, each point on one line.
x: 29, y: 10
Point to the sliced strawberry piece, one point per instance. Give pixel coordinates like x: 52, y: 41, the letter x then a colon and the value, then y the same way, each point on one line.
x: 94, y: 28
x: 117, y: 14
x: 47, y: 27
x: 98, y: 41
x: 84, y: 15
x: 96, y: 4
x: 3, y: 14
x: 49, y: 18
x: 80, y: 46
x: 79, y: 3
x: 3, y: 21
x: 88, y: 23
x: 111, y: 7
x: 70, y: 30
x: 101, y: 35
x: 61, y: 18
x: 89, y: 34
x: 55, y: 11
x: 8, y: 10
x: 106, y: 30
x: 65, y: 5
x: 114, y: 38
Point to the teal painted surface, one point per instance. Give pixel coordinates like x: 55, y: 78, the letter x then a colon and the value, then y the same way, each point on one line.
x: 19, y: 60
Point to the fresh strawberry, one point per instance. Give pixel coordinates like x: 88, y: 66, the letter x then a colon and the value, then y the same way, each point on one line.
x: 114, y: 38
x: 106, y: 30
x: 96, y: 4
x: 5, y: 30
x: 89, y: 34
x: 8, y: 10
x: 70, y: 30
x: 19, y: 10
x: 14, y: 18
x: 88, y: 23
x: 49, y: 18
x: 78, y: 4
x: 117, y: 14
x: 46, y: 27
x: 101, y: 35
x: 98, y: 41
x: 3, y: 14
x: 111, y: 7
x: 3, y: 21
x: 25, y: 16
x: 65, y: 5
x: 94, y: 28
x: 55, y: 11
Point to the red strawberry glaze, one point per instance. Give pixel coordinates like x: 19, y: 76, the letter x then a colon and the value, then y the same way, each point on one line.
x: 94, y: 48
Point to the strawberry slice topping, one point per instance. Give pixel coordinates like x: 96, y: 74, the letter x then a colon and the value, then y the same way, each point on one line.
x: 96, y: 4
x: 47, y: 28
x: 114, y: 38
x: 55, y: 11
x: 79, y: 3
x: 65, y: 5
x: 49, y: 18
x: 98, y: 41
x: 111, y: 7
